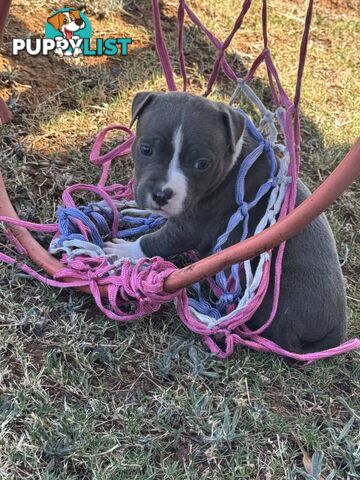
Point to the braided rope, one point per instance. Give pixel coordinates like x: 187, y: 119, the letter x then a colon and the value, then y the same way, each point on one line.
x: 135, y: 289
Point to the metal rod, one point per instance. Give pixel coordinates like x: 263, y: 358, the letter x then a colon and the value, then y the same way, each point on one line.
x: 344, y: 174
x: 41, y: 257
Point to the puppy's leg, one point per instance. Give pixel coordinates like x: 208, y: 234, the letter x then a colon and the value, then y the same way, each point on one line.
x: 122, y: 249
x: 171, y: 239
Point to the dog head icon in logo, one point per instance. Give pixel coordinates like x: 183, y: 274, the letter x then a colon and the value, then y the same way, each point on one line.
x: 69, y: 27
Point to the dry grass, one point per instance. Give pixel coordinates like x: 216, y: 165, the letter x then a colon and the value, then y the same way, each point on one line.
x: 82, y: 397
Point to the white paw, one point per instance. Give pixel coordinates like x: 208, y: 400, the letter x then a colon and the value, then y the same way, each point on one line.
x: 118, y: 249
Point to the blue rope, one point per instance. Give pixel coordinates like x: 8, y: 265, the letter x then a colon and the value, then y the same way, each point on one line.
x: 99, y: 224
x: 145, y: 225
x: 241, y: 215
x: 67, y: 226
x: 98, y: 219
x: 203, y: 306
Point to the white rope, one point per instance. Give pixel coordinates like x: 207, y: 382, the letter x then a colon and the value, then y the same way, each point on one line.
x: 269, y: 130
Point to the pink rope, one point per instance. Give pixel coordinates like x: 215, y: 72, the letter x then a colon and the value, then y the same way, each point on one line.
x: 10, y: 237
x: 225, y: 45
x: 161, y: 48
x: 292, y: 137
x: 181, y: 16
x: 229, y: 72
x: 35, y: 227
x: 137, y: 290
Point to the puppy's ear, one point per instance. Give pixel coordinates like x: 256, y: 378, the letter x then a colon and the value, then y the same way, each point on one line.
x: 235, y: 124
x: 55, y: 20
x: 141, y: 100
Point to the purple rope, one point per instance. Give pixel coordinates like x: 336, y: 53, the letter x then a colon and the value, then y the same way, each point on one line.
x: 181, y: 16
x: 161, y: 48
x: 225, y: 45
x: 303, y: 49
x: 264, y: 24
x: 141, y: 284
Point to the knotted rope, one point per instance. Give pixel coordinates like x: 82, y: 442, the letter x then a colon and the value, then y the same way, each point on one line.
x: 135, y: 288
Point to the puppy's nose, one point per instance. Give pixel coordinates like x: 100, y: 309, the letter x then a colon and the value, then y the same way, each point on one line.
x: 161, y: 197
x: 78, y: 22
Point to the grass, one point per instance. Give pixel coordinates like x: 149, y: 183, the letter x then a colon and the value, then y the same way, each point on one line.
x: 82, y: 397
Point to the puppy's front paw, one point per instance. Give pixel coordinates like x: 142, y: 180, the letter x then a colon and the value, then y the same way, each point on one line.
x: 118, y: 249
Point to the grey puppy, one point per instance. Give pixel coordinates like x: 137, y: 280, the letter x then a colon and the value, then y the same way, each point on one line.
x: 187, y: 155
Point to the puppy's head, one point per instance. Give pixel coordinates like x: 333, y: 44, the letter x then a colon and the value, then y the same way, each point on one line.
x: 185, y: 145
x: 67, y: 22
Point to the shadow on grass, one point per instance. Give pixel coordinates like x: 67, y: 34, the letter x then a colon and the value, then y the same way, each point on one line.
x: 83, y: 397
x: 58, y: 86
x: 61, y: 86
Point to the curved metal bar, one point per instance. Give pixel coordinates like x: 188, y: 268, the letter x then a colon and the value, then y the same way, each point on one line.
x: 41, y: 257
x: 344, y: 174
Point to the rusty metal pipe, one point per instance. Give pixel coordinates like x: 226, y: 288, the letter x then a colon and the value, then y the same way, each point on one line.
x: 344, y: 174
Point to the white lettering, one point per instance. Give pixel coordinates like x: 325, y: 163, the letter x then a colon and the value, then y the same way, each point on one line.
x: 18, y: 44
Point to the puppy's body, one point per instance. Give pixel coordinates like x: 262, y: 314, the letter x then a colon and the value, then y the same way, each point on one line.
x: 187, y: 156
x: 311, y: 314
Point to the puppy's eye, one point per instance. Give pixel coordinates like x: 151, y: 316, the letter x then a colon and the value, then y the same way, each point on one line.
x: 201, y: 164
x: 146, y: 150
x: 66, y: 20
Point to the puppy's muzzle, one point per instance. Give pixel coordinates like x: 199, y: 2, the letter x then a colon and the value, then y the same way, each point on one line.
x: 161, y: 197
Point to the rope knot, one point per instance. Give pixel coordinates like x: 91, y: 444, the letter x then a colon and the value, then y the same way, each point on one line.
x: 268, y: 116
x: 225, y: 300
x: 244, y: 209
x: 92, y: 276
x: 274, y: 181
x: 284, y: 179
x: 279, y: 111
x: 221, y: 331
x: 271, y: 215
x: 153, y: 221
x: 267, y: 146
x: 227, y: 297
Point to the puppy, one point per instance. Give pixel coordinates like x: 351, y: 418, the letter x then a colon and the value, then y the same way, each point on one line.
x: 67, y: 23
x: 187, y: 155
